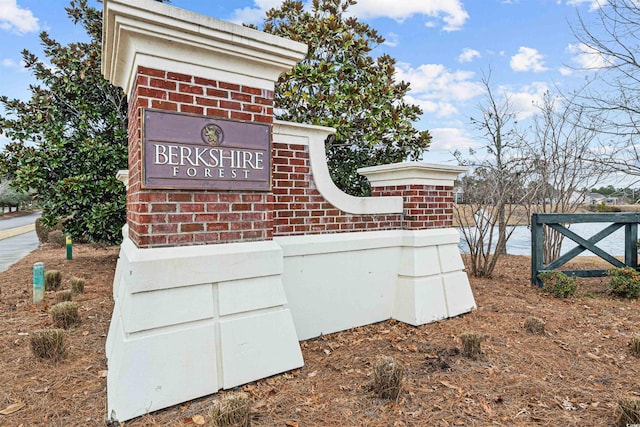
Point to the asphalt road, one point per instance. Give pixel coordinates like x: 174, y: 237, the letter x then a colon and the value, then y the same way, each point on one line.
x: 14, y: 248
x: 18, y: 221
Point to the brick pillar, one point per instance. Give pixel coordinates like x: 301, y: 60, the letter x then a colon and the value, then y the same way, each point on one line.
x: 159, y: 217
x: 425, y: 206
x: 426, y: 189
x: 223, y: 73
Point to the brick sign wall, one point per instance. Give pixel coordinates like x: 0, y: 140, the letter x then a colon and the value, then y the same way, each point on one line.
x: 169, y: 217
x: 158, y: 217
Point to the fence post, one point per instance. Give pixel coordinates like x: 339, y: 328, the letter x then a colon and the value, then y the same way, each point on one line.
x: 537, y: 249
x: 631, y: 245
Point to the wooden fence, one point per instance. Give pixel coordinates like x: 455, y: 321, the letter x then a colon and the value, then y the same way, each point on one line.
x: 628, y: 220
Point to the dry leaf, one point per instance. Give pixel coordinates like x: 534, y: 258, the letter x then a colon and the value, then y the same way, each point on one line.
x: 198, y: 420
x: 291, y: 423
x: 14, y: 407
x: 412, y: 348
x: 103, y: 374
x: 451, y: 386
x: 487, y: 408
x: 85, y: 333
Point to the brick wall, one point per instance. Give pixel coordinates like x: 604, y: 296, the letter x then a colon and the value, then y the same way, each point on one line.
x: 176, y: 218
x: 301, y: 209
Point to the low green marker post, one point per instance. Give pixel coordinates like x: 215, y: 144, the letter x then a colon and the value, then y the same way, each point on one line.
x: 69, y: 248
x: 38, y: 282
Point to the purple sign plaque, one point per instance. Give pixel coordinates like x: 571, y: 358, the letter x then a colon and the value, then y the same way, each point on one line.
x: 188, y: 152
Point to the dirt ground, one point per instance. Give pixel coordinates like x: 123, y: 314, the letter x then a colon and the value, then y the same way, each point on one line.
x: 573, y: 375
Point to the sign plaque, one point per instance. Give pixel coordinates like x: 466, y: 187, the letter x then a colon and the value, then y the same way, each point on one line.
x: 187, y: 152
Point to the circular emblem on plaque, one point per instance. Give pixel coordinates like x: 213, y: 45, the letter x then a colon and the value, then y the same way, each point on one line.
x: 212, y: 135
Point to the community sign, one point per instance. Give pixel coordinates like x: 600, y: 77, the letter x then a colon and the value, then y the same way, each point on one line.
x: 183, y: 151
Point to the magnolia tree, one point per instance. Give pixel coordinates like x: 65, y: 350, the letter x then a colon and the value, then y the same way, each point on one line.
x: 69, y: 139
x: 339, y: 84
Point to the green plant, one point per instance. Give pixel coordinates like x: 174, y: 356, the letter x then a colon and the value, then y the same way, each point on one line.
x: 77, y: 286
x: 52, y: 280
x: 387, y: 377
x: 558, y: 283
x: 65, y: 314
x: 342, y: 84
x: 471, y: 345
x: 231, y: 410
x: 625, y: 282
x: 48, y: 344
x: 69, y: 138
x: 602, y: 207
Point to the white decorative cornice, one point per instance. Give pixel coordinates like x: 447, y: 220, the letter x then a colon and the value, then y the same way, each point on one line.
x: 156, y: 35
x: 412, y: 173
x: 123, y: 176
x: 314, y: 137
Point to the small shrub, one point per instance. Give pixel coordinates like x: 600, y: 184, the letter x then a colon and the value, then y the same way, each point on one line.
x: 628, y: 412
x: 77, y: 286
x: 625, y: 282
x: 65, y: 314
x: 52, y: 280
x: 603, y: 207
x: 62, y: 296
x: 635, y: 345
x: 534, y: 325
x: 48, y: 344
x: 471, y: 345
x: 58, y: 239
x: 231, y: 410
x: 42, y: 231
x: 387, y: 378
x: 558, y: 283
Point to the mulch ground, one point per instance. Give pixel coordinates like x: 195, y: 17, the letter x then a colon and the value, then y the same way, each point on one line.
x: 572, y: 375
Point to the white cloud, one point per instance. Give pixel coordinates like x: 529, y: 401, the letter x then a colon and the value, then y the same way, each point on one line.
x: 14, y: 18
x: 587, y: 58
x: 593, y: 4
x: 392, y: 40
x: 436, y: 89
x: 450, y: 12
x: 525, y: 101
x: 254, y: 15
x: 527, y: 59
x: 566, y: 71
x: 450, y: 139
x: 10, y: 63
x: 468, y: 55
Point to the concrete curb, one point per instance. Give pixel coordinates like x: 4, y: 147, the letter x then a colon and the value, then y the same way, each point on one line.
x: 11, y: 232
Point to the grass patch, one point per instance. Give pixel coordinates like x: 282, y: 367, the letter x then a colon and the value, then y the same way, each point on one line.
x: 48, y: 344
x: 231, y: 410
x: 65, y: 314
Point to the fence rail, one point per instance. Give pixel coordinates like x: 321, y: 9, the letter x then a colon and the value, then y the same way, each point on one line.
x: 628, y: 220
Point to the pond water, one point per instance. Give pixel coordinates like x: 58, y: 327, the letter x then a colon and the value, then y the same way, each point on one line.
x: 520, y: 241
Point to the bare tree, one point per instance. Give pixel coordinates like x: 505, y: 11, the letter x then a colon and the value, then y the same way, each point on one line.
x: 495, y: 186
x: 563, y: 162
x: 610, y: 44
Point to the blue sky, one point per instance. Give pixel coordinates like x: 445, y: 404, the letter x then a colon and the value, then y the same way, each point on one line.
x: 443, y: 47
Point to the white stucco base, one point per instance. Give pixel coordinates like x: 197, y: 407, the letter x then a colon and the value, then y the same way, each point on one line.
x: 190, y: 321
x: 335, y: 282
